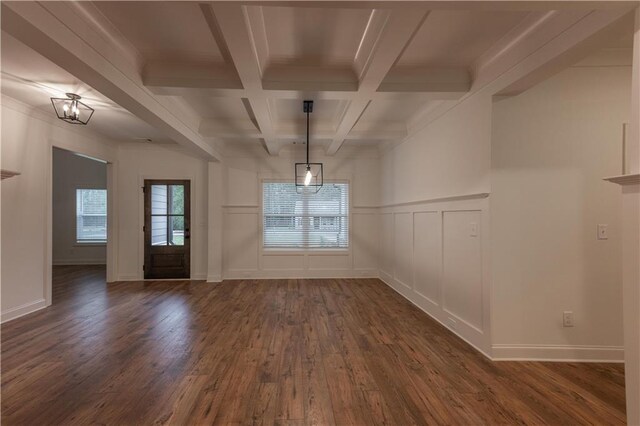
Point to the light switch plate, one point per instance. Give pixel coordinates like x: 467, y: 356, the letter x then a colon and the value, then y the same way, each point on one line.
x: 603, y: 232
x: 567, y: 319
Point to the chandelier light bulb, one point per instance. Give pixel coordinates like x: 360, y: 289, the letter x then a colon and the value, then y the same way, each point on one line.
x: 307, y: 178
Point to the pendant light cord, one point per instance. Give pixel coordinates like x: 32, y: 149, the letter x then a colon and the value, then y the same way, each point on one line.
x: 307, y: 138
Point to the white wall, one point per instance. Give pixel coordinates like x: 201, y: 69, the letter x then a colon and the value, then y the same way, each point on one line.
x: 434, y: 187
x: 140, y: 161
x: 450, y: 156
x: 243, y: 255
x: 72, y: 172
x: 446, y: 167
x: 552, y: 145
x: 27, y: 140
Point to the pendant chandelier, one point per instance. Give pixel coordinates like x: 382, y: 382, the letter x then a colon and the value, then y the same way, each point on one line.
x: 309, y: 176
x: 71, y: 110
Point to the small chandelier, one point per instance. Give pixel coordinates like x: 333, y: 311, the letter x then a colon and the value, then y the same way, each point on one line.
x: 309, y: 176
x: 71, y: 110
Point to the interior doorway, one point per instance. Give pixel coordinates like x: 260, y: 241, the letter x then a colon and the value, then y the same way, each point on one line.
x: 79, y: 215
x: 167, y: 217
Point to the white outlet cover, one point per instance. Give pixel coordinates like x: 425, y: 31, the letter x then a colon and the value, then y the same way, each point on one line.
x: 603, y: 231
x: 473, y: 229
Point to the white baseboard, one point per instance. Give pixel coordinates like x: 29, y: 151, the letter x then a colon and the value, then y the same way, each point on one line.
x: 559, y: 353
x: 516, y: 352
x: 275, y: 274
x: 27, y: 308
x: 128, y: 278
x: 214, y: 279
x: 197, y: 277
x: 387, y: 279
x: 71, y: 262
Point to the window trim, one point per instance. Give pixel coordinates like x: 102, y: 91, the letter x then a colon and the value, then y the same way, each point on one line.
x: 89, y: 243
x: 316, y: 251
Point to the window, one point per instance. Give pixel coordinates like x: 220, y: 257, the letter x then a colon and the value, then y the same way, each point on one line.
x: 167, y: 215
x: 91, y: 215
x: 293, y: 220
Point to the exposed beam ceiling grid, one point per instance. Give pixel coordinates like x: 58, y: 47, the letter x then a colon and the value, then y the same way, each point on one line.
x: 217, y: 72
x: 249, y: 73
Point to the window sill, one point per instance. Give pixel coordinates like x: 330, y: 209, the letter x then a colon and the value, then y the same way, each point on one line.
x: 302, y: 251
x: 90, y: 244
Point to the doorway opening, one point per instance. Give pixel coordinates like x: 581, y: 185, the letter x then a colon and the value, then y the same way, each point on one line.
x: 79, y: 214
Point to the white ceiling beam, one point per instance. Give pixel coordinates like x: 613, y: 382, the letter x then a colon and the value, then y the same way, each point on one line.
x: 58, y: 32
x: 544, y: 44
x: 605, y: 27
x: 297, y: 82
x: 389, y: 130
x: 309, y: 78
x: 450, y: 82
x: 246, y: 129
x: 187, y: 90
x: 394, y: 31
x: 181, y: 75
x: 496, y: 5
x: 229, y: 129
x: 234, y: 26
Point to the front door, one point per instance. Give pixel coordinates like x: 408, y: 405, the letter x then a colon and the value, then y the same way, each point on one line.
x: 166, y: 229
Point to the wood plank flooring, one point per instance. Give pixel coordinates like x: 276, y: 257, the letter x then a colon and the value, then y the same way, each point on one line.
x: 285, y: 352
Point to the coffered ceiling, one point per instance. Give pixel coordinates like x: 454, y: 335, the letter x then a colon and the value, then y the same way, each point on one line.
x: 246, y: 69
x: 209, y: 74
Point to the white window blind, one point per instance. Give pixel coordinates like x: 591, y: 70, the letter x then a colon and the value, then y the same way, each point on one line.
x: 91, y: 215
x: 293, y: 220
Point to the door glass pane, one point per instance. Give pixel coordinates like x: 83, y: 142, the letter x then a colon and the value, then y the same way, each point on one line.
x: 177, y: 199
x: 176, y: 224
x: 158, y: 230
x: 159, y: 199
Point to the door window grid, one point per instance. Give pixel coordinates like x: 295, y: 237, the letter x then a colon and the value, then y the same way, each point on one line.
x: 167, y: 215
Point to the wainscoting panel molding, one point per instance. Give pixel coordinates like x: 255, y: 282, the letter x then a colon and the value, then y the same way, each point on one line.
x: 403, y: 248
x: 462, y: 267
x: 427, y: 256
x: 435, y: 255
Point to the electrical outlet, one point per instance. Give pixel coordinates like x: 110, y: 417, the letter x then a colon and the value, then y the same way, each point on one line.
x: 567, y: 319
x: 603, y: 231
x: 473, y: 229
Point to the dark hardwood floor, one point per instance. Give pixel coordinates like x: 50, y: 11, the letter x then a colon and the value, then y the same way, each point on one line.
x: 272, y: 352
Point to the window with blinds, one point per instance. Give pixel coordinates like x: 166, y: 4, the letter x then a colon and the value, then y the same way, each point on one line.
x: 91, y: 215
x: 307, y: 220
